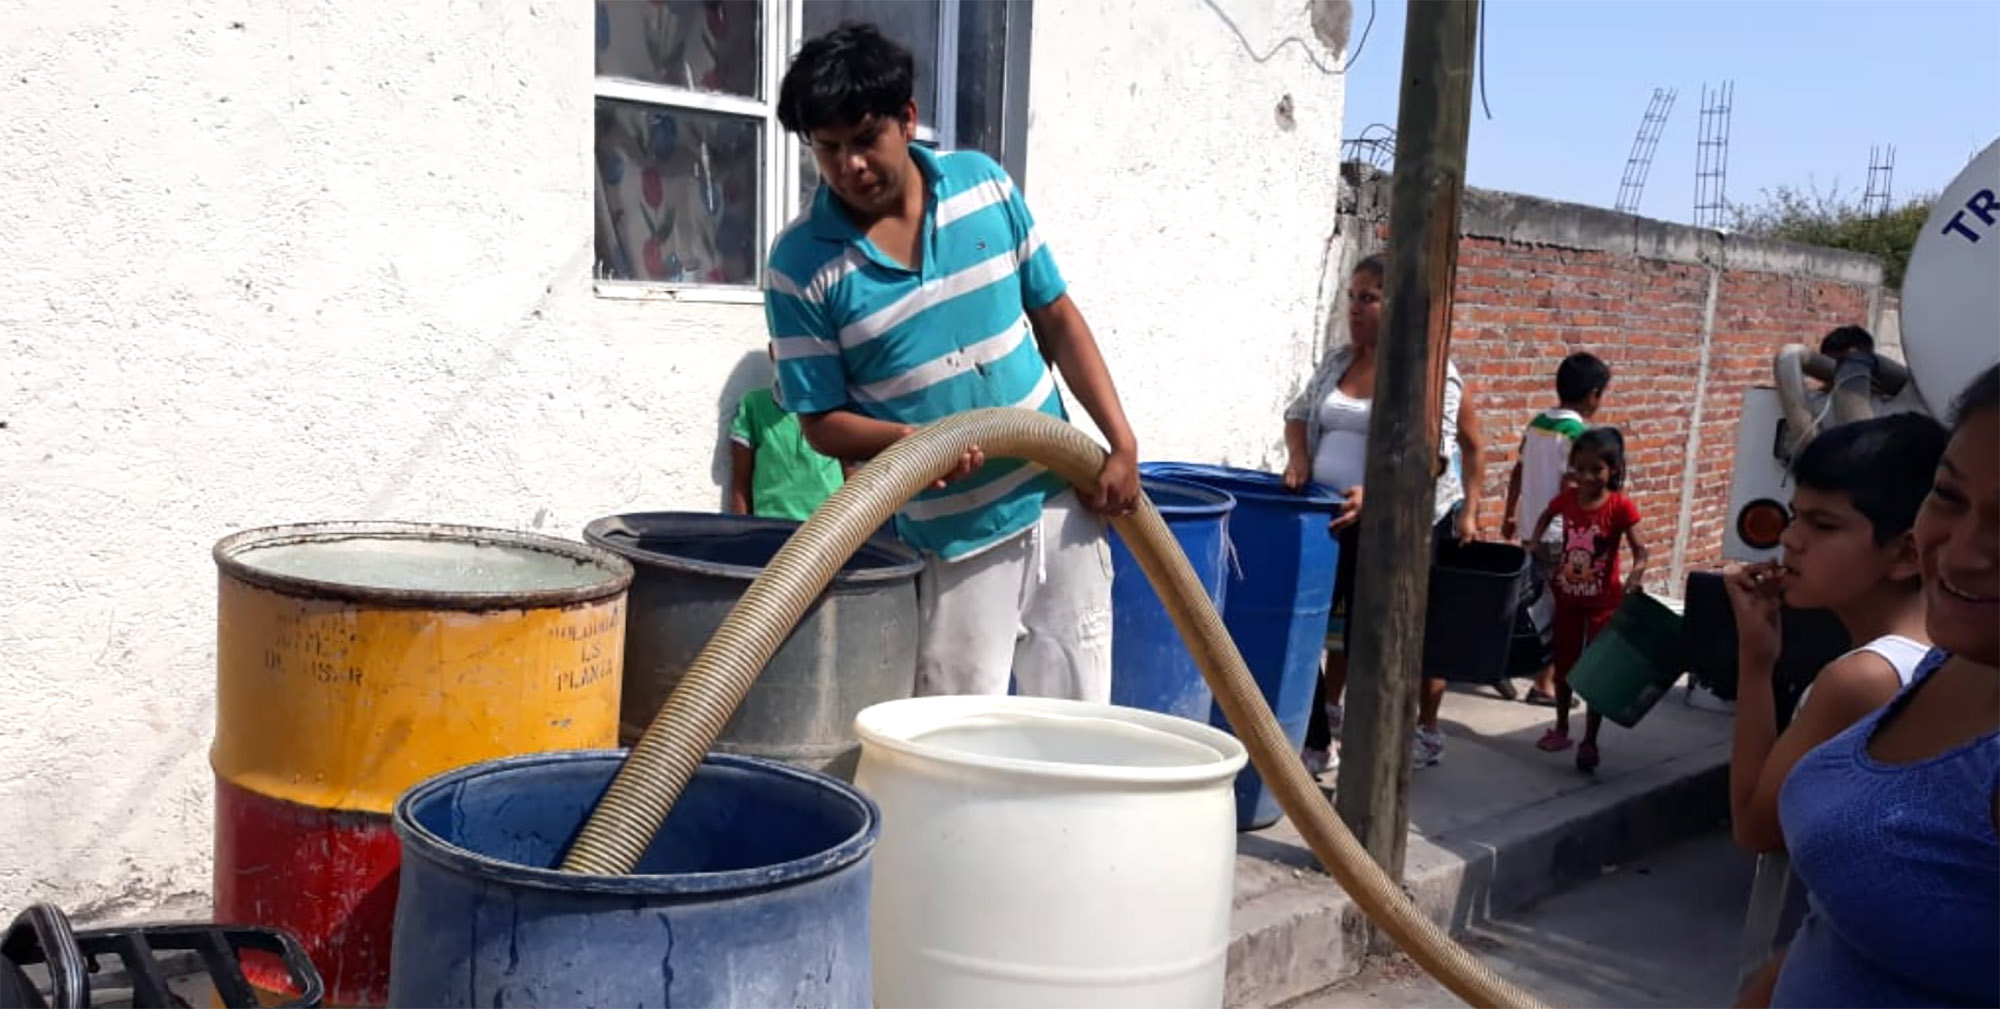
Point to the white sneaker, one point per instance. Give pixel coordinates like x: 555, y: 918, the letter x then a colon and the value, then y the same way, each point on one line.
x: 1426, y: 747
x: 1703, y: 699
x: 1319, y: 762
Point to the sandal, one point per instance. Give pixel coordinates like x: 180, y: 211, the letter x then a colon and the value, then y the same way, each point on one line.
x: 1543, y: 699
x: 1586, y: 758
x: 1553, y: 741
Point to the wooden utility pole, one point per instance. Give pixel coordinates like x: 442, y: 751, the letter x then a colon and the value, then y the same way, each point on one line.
x: 1386, y: 625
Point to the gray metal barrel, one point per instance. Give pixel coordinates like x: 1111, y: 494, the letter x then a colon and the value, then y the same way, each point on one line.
x: 855, y: 647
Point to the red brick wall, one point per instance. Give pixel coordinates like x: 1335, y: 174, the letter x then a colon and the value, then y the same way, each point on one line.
x: 1520, y: 307
x: 1756, y: 314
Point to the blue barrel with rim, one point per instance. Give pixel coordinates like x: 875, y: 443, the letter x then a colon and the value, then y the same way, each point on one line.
x: 754, y: 893
x: 1151, y: 667
x: 1277, y: 596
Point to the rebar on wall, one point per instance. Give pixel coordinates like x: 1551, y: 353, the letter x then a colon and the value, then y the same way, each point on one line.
x: 1648, y: 139
x: 1376, y: 146
x: 1711, y: 157
x: 1881, y: 171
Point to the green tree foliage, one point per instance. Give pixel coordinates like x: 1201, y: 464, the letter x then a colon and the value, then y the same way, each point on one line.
x: 1811, y: 217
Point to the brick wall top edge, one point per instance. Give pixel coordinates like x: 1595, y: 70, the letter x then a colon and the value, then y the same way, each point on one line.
x: 1533, y: 220
x: 1769, y: 255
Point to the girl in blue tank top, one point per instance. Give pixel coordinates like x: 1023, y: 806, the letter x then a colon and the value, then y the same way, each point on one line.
x: 1892, y: 824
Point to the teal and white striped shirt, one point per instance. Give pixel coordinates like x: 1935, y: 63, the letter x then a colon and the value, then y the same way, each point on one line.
x: 855, y: 330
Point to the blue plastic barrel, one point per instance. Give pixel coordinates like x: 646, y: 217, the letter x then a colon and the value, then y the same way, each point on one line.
x: 755, y: 893
x: 1276, y: 600
x: 1150, y: 664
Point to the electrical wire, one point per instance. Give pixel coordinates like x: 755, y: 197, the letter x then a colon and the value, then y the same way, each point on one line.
x: 1282, y: 43
x: 1482, y: 58
x: 1363, y: 44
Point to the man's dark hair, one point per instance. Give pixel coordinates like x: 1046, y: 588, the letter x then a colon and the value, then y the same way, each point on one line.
x: 1845, y: 340
x: 1608, y: 445
x: 1981, y: 395
x: 1884, y: 465
x: 843, y: 77
x: 1579, y: 375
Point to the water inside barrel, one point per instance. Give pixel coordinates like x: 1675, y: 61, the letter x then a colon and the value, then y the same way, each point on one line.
x: 425, y: 565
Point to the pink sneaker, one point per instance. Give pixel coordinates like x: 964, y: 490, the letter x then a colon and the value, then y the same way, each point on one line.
x: 1553, y: 741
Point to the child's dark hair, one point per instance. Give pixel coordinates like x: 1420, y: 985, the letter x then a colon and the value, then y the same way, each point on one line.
x: 1982, y: 395
x: 1374, y: 266
x: 1579, y: 375
x: 1846, y: 339
x: 1608, y: 445
x: 843, y: 77
x: 1884, y: 465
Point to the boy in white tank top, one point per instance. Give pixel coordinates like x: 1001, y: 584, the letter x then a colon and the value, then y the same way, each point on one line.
x: 1848, y: 549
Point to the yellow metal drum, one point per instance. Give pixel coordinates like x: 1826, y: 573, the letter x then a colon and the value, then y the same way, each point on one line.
x: 354, y: 660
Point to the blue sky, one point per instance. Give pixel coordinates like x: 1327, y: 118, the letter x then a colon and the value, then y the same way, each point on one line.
x: 1817, y: 83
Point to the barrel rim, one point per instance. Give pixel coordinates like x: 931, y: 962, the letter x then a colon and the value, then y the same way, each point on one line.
x: 1313, y: 496
x: 1231, y: 757
x: 230, y: 551
x: 1214, y: 502
x: 908, y: 562
x: 419, y: 841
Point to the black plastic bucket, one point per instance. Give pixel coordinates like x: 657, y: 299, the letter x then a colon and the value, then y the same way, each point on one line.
x: 1809, y: 640
x: 1474, y: 598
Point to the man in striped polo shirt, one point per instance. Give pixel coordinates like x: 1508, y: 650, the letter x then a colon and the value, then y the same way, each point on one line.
x: 914, y: 287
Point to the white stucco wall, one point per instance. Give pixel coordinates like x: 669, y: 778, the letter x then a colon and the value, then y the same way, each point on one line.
x: 1193, y: 227
x: 275, y: 263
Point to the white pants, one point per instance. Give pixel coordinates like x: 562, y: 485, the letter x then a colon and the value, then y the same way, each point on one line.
x: 1037, y: 607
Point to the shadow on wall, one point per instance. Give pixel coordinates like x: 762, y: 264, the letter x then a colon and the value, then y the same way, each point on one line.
x: 751, y: 371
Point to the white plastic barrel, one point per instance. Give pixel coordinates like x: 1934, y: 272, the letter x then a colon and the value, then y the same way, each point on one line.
x: 1054, y: 853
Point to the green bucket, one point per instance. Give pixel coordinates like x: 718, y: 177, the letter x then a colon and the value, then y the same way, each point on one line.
x: 1632, y: 663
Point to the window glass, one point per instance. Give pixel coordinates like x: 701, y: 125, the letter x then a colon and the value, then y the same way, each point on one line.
x: 701, y: 45
x: 677, y: 194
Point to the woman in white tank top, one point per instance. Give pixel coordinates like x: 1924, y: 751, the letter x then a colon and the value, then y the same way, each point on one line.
x: 1848, y: 549
x: 1326, y: 441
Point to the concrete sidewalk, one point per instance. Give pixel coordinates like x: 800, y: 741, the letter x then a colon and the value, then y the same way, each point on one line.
x: 1497, y: 825
x: 1587, y: 947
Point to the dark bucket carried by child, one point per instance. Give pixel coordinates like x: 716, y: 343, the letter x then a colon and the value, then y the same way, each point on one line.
x: 1633, y: 663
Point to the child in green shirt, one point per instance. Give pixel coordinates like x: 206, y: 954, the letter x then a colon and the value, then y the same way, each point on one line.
x: 773, y: 473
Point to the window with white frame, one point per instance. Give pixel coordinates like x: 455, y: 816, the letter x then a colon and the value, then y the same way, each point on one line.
x: 694, y: 174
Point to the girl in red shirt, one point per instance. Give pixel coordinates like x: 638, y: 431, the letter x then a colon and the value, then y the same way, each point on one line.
x: 1585, y: 584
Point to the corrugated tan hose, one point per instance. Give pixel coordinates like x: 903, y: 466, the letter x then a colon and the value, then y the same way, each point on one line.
x: 665, y: 758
